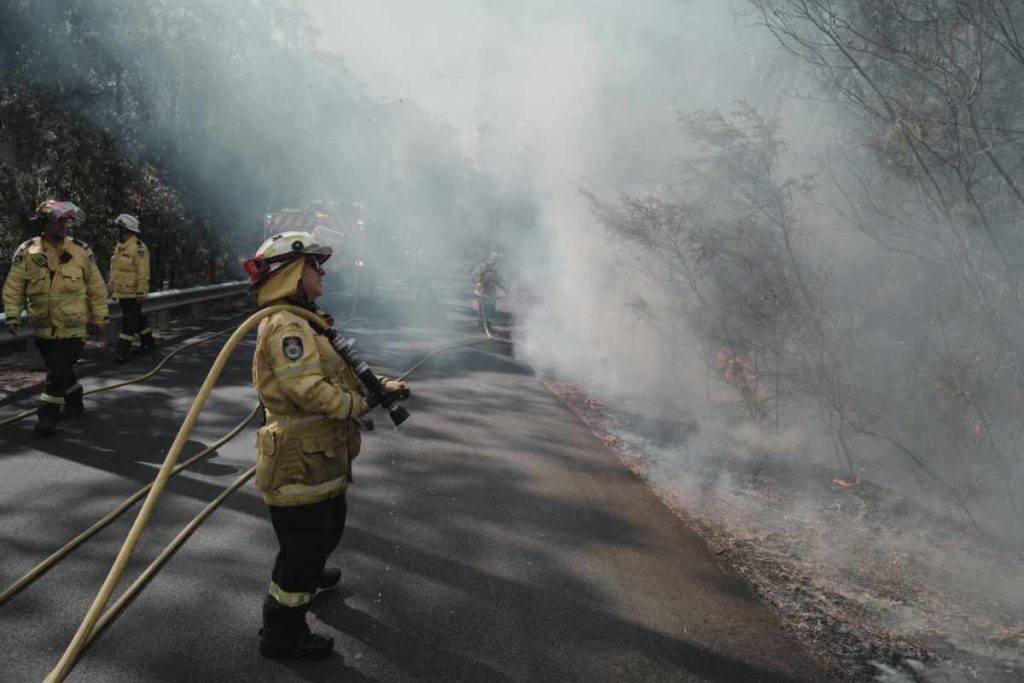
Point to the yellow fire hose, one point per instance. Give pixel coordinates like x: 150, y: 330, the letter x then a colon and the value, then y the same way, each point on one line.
x: 105, y: 521
x: 85, y: 630
x: 29, y: 577
x: 117, y: 385
x: 175, y: 543
x: 96, y: 619
x: 190, y: 528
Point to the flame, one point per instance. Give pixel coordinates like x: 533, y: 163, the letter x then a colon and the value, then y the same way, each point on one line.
x: 843, y: 483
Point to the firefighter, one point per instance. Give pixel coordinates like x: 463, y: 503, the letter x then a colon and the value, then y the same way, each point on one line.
x: 129, y: 284
x: 59, y: 280
x: 312, y: 402
x: 486, y: 283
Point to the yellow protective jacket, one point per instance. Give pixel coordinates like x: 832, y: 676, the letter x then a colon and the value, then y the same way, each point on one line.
x: 312, y: 399
x: 61, y: 285
x: 129, y: 269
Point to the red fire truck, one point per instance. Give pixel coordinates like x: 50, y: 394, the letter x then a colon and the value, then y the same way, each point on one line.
x: 337, y: 225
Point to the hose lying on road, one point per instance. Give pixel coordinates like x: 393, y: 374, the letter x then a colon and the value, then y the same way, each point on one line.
x: 490, y: 338
x: 85, y: 630
x: 98, y: 617
x: 166, y: 554
x: 30, y: 577
x: 117, y: 385
x: 105, y: 521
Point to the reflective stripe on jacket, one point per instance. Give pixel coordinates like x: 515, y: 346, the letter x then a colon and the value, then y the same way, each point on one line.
x: 129, y: 269
x: 312, y: 400
x: 61, y: 286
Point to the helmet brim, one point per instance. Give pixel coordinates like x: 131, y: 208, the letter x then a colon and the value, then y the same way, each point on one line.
x: 322, y: 253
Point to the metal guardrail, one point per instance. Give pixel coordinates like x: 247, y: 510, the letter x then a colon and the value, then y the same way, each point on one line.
x: 163, y: 300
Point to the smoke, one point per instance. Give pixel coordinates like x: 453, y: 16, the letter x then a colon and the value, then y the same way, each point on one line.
x: 547, y: 131
x: 201, y: 117
x: 571, y: 111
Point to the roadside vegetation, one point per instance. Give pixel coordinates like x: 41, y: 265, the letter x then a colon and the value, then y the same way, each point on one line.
x: 200, y: 117
x: 870, y: 297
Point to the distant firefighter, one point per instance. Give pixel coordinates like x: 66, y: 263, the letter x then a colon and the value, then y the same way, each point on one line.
x: 486, y: 283
x: 129, y: 284
x: 56, y: 276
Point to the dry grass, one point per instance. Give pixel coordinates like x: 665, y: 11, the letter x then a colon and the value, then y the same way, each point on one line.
x: 852, y: 573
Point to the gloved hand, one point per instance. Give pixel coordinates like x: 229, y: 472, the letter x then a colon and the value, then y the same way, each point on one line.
x: 395, y: 385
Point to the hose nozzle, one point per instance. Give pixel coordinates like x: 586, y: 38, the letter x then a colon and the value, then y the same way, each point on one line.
x: 378, y: 395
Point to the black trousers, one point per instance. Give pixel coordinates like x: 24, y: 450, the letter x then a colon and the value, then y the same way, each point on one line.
x: 60, y: 356
x: 134, y: 323
x: 306, y: 535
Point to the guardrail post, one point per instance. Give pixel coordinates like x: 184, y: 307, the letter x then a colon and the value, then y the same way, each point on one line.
x: 163, y: 320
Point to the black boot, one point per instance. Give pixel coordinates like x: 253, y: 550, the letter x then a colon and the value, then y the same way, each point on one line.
x: 304, y: 646
x: 148, y: 343
x: 73, y: 405
x: 328, y: 579
x: 285, y: 634
x: 46, y: 419
x: 123, y: 350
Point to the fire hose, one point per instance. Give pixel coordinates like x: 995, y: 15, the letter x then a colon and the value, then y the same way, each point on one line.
x: 29, y: 577
x: 41, y: 568
x: 117, y: 385
x: 98, y: 617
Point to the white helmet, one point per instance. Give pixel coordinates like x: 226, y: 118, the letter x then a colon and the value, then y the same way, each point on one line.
x: 128, y: 222
x: 280, y: 250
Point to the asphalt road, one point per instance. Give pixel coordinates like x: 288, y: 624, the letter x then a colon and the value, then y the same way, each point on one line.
x: 490, y: 538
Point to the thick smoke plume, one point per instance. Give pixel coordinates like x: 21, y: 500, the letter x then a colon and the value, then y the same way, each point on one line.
x: 780, y: 238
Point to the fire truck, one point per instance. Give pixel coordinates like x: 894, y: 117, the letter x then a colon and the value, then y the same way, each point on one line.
x: 339, y: 226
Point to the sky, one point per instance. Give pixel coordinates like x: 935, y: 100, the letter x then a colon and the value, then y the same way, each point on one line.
x: 551, y: 97
x: 554, y: 96
x: 460, y: 59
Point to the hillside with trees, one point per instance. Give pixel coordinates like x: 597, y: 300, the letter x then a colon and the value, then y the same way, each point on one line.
x: 199, y: 117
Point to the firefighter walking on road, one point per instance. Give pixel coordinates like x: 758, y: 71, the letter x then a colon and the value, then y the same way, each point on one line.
x: 129, y: 285
x: 58, y: 279
x: 486, y: 283
x: 312, y: 402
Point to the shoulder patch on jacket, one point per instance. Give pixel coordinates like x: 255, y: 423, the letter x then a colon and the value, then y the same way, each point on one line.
x: 19, y: 253
x: 291, y: 347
